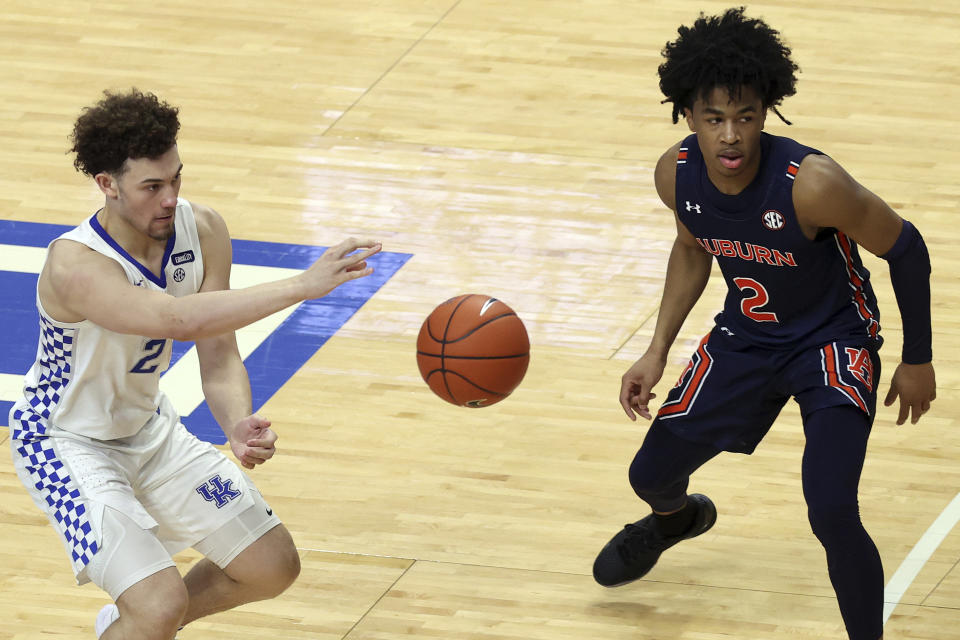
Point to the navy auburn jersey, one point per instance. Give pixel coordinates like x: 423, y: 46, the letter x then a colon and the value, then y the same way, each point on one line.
x: 783, y: 289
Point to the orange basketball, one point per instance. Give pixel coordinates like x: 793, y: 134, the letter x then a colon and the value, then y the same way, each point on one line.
x: 473, y: 350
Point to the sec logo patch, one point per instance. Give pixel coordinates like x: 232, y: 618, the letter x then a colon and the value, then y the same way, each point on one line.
x: 773, y: 220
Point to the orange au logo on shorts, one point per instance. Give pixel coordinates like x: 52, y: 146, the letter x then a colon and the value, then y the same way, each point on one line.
x: 861, y: 366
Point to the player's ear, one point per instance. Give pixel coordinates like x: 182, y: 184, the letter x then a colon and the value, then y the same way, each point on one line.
x: 107, y: 183
x: 688, y: 116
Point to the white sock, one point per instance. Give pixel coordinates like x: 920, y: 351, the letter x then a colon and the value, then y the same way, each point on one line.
x: 107, y: 616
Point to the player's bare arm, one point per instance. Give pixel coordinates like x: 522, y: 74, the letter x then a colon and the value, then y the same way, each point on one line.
x: 687, y: 272
x: 226, y: 386
x: 78, y: 283
x: 687, y: 269
x: 827, y: 196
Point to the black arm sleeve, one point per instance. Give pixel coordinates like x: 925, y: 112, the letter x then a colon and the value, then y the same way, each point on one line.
x: 910, y: 274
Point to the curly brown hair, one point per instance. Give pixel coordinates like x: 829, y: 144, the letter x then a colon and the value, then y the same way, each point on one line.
x: 122, y: 125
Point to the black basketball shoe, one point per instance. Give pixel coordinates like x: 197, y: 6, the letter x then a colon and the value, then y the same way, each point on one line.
x: 633, y: 552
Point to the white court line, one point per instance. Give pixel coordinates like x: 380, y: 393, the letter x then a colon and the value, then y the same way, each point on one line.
x: 11, y: 386
x: 14, y: 257
x: 918, y: 556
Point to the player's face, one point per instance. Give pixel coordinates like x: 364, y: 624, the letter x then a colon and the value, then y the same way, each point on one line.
x: 147, y: 193
x: 728, y: 132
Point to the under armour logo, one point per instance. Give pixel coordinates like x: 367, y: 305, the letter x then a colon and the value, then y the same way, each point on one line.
x: 216, y: 490
x: 693, y: 207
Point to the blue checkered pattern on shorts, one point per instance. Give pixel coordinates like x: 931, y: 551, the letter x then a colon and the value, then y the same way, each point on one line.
x: 54, y: 363
x: 37, y: 456
x: 62, y: 496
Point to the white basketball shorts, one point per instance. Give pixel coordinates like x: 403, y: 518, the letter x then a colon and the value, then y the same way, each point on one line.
x: 181, y: 491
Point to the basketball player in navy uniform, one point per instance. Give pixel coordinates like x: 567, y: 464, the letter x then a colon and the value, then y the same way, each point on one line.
x: 785, y: 223
x: 97, y: 445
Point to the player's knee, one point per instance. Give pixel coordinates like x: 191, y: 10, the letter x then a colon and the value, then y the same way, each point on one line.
x: 159, y: 616
x: 645, y: 479
x: 836, y: 524
x: 285, y: 569
x: 277, y: 571
x: 163, y: 623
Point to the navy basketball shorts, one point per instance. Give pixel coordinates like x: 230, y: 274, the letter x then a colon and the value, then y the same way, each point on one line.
x: 731, y: 391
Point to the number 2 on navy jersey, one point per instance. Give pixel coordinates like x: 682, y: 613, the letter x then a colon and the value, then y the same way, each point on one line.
x: 751, y: 303
x: 148, y: 364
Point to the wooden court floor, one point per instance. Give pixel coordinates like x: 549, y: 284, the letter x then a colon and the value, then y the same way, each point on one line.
x: 509, y: 147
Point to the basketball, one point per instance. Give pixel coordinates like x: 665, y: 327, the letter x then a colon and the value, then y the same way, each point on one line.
x: 473, y: 350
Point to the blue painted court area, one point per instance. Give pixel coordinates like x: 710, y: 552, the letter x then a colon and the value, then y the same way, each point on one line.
x: 270, y: 364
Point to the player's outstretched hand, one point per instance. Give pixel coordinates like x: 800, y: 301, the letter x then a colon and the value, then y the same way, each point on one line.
x: 916, y: 385
x: 637, y: 383
x: 339, y: 264
x: 253, y: 441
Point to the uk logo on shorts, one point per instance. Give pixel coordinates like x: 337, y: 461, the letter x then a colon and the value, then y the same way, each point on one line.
x: 218, y: 491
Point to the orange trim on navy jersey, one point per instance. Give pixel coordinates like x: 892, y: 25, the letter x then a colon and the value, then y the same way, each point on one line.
x: 692, y: 387
x: 792, y: 169
x: 832, y: 377
x: 856, y: 282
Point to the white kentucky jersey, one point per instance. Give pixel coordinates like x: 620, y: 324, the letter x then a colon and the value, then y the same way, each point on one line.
x: 97, y: 383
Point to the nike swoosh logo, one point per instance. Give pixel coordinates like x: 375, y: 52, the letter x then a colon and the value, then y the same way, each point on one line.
x: 487, y: 305
x: 269, y: 511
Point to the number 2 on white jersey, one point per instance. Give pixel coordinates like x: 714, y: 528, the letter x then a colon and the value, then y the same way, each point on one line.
x: 750, y: 304
x: 147, y: 363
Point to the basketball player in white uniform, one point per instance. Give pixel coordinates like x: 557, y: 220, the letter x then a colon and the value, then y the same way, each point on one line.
x: 98, y: 446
